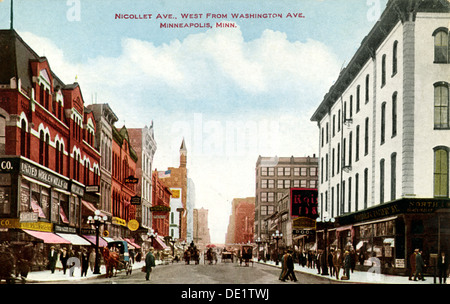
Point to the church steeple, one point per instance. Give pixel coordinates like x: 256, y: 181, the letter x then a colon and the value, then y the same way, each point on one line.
x: 183, y: 154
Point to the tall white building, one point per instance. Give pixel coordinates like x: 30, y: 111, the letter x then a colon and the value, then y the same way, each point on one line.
x: 385, y: 139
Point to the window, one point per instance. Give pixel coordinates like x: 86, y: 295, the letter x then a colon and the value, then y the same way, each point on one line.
x: 356, y: 191
x: 366, y: 137
x: 349, y: 194
x: 441, y: 172
x: 441, y: 101
x: 383, y: 71
x: 383, y: 122
x: 394, y: 114
x: 366, y: 187
x: 394, y: 58
x: 441, y: 45
x: 393, y: 176
x: 382, y: 180
x: 358, y: 98
x: 41, y: 147
x: 287, y: 184
x: 23, y: 138
x: 297, y: 171
x: 357, y: 143
x: 367, y: 88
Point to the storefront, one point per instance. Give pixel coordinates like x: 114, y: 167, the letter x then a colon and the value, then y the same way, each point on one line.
x: 390, y: 232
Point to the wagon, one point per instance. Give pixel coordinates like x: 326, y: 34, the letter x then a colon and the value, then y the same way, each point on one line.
x: 246, y: 255
x: 124, y: 256
x: 226, y: 255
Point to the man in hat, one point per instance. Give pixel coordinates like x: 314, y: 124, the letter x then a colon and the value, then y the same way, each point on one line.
x: 63, y: 257
x: 52, y: 258
x: 288, y: 263
x: 149, y: 263
x: 412, y: 264
x: 420, y: 265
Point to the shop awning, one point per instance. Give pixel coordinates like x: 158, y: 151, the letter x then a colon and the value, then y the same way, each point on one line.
x: 108, y: 239
x: 132, y: 243
x: 159, y: 243
x: 74, y: 239
x: 91, y: 207
x: 47, y: 237
x: 377, y: 221
x: 92, y: 239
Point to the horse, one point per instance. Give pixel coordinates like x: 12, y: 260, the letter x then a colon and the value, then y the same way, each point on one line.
x: 111, y: 259
x: 187, y: 256
x: 196, y: 256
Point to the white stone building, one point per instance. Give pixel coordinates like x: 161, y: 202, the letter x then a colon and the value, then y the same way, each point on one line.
x: 385, y: 139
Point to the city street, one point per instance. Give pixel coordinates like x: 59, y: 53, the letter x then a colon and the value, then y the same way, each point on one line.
x: 220, y: 273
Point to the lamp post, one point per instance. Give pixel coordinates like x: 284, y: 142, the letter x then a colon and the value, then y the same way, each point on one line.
x: 258, y: 242
x: 277, y: 236
x: 97, y: 221
x: 173, y: 241
x: 326, y: 221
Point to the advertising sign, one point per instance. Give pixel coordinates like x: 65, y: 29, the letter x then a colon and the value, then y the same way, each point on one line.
x: 304, y: 203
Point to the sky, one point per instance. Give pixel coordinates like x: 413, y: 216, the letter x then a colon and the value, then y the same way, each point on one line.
x: 233, y: 93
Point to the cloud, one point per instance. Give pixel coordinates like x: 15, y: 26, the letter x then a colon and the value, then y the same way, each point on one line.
x: 270, y: 81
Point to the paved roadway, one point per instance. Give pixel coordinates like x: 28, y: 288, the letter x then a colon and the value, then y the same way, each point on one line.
x: 220, y: 273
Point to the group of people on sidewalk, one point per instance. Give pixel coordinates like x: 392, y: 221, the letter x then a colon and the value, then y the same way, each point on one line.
x: 417, y: 266
x: 59, y: 258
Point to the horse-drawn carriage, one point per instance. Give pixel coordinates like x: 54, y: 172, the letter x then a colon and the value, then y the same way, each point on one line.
x: 227, y: 255
x: 246, y: 255
x: 116, y: 256
x: 192, y: 253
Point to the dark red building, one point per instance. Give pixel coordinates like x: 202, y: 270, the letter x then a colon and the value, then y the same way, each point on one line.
x: 49, y: 175
x: 160, y: 205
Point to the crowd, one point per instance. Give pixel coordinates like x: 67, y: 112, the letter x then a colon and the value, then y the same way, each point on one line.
x: 335, y: 261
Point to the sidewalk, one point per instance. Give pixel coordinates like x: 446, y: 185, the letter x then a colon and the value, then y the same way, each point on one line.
x: 58, y: 276
x: 362, y: 277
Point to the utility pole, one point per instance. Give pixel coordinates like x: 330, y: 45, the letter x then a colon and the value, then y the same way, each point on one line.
x: 12, y: 15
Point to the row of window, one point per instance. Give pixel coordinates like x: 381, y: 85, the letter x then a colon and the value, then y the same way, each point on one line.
x: 286, y: 171
x: 441, y: 121
x: 287, y: 183
x: 342, y: 199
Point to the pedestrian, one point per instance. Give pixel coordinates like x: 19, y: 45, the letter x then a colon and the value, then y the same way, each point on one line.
x: 318, y: 260
x: 84, y: 262
x: 92, y: 259
x: 337, y: 262
x: 283, y: 266
x: 330, y: 261
x: 442, y: 265
x: 412, y: 264
x: 347, y: 265
x: 353, y: 259
x: 289, y: 266
x: 52, y: 259
x: 324, y: 263
x: 420, y: 264
x: 63, y: 257
x: 149, y: 263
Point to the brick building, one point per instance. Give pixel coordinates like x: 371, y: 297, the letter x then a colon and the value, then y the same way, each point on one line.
x: 50, y: 174
x: 160, y: 205
x: 241, y: 225
x: 124, y: 160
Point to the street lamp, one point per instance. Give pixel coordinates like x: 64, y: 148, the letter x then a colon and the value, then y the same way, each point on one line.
x: 277, y: 236
x: 326, y: 221
x: 258, y: 242
x: 173, y: 241
x: 97, y: 220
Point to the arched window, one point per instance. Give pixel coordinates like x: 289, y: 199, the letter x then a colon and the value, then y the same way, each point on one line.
x: 441, y: 172
x: 383, y: 70
x: 23, y: 138
x: 441, y: 105
x: 394, y: 58
x: 394, y: 114
x: 41, y: 147
x: 441, y: 45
